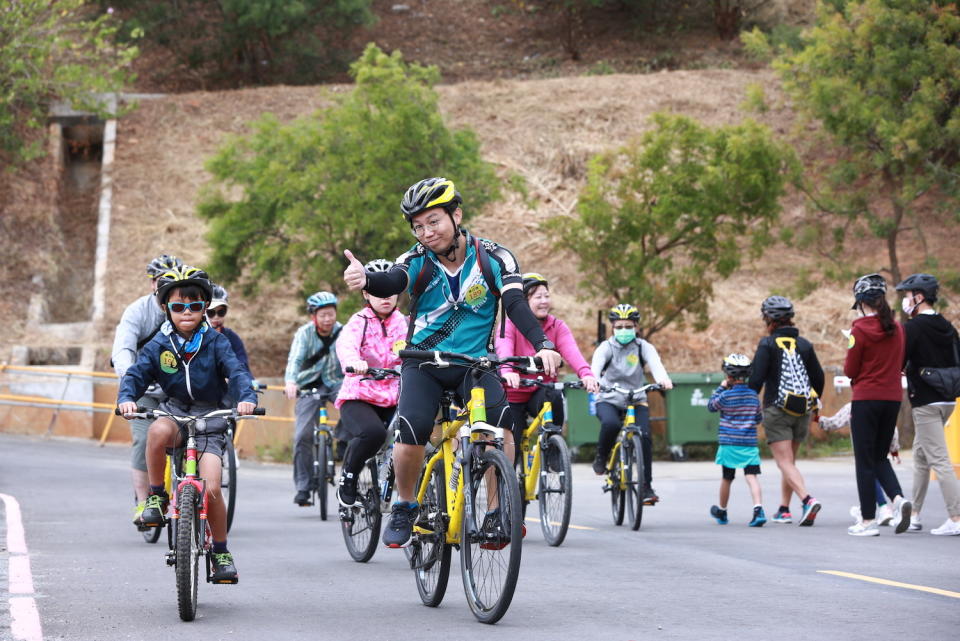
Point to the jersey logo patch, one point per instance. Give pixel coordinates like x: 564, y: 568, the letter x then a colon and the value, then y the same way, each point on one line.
x: 398, y: 345
x: 632, y: 360
x: 168, y: 362
x: 475, y: 294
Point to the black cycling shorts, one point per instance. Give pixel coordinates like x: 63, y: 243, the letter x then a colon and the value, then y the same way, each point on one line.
x: 423, y: 384
x: 729, y: 473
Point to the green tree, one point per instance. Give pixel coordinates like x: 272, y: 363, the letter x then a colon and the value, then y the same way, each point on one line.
x: 661, y: 219
x: 334, y: 180
x: 881, y: 78
x: 252, y: 41
x: 53, y: 50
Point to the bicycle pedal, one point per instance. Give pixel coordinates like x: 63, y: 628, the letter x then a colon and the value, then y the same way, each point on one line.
x: 171, y: 557
x: 232, y: 581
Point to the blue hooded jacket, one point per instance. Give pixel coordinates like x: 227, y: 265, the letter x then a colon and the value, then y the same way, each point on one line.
x: 202, y: 379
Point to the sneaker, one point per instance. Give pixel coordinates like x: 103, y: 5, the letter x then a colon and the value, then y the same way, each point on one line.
x: 884, y: 514
x: 861, y: 529
x: 949, y: 528
x: 599, y: 465
x: 901, y: 515
x: 718, y: 514
x: 399, y: 530
x: 223, y: 569
x: 810, y: 509
x: 154, y: 510
x: 495, y: 533
x: 303, y: 498
x: 650, y: 496
x: 855, y: 513
x: 759, y: 518
x: 783, y: 516
x: 915, y: 524
x: 347, y: 491
x: 138, y: 512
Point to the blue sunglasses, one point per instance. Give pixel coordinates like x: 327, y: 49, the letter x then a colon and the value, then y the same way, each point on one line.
x: 179, y: 308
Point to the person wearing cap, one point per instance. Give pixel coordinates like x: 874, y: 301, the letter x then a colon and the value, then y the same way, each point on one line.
x: 931, y: 342
x: 216, y: 317
x: 873, y: 363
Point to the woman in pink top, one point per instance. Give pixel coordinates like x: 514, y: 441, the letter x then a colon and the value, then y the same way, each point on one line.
x: 371, y: 338
x: 526, y: 401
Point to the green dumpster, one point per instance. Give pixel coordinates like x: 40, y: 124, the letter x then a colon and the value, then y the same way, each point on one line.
x: 582, y: 426
x: 688, y: 420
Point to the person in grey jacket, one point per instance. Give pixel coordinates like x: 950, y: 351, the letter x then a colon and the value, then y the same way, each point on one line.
x: 620, y: 361
x: 139, y: 323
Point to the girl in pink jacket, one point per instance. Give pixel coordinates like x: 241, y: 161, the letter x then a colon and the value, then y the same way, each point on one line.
x: 526, y: 401
x: 371, y: 338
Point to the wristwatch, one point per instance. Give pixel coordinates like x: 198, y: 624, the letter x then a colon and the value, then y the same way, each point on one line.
x: 546, y: 344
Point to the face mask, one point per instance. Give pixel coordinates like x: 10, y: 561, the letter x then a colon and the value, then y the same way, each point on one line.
x: 907, y: 305
x: 624, y: 336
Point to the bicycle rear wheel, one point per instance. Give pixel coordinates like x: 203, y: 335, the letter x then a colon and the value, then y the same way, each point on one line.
x: 491, y: 542
x: 189, y: 548
x: 228, y: 479
x: 633, y: 460
x: 320, y: 463
x: 429, y: 554
x: 556, y: 489
x: 361, y: 525
x: 616, y: 494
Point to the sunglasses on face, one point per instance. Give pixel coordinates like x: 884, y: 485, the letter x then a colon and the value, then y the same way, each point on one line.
x: 220, y: 311
x: 179, y: 308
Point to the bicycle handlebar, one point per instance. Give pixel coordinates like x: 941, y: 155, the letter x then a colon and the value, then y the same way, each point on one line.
x: 374, y: 373
x: 558, y: 385
x: 526, y: 364
x: 145, y: 412
x: 651, y: 387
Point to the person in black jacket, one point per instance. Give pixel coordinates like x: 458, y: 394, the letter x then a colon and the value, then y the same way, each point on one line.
x: 931, y: 342
x: 786, y: 429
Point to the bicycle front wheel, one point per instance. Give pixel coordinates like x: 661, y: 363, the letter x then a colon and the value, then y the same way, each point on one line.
x: 228, y: 479
x: 556, y: 489
x: 616, y: 493
x: 361, y: 525
x: 633, y: 462
x: 188, y: 550
x: 320, y: 464
x: 429, y: 552
x: 492, y: 540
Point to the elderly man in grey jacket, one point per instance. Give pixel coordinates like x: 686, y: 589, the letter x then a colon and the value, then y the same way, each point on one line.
x: 140, y: 321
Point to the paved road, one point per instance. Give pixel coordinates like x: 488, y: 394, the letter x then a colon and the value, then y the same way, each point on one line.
x: 680, y: 577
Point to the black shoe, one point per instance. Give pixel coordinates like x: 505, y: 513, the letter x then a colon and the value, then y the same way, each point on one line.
x: 649, y: 496
x: 224, y: 571
x: 495, y: 533
x: 599, y: 465
x: 399, y: 530
x: 154, y: 510
x: 347, y: 491
x: 303, y: 498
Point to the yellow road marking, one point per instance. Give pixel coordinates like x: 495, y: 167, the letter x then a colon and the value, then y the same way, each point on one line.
x: 530, y: 519
x: 896, y: 584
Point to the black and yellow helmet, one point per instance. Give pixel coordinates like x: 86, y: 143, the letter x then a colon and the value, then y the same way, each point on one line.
x: 162, y: 263
x: 427, y: 194
x: 532, y: 280
x: 737, y: 366
x: 623, y: 311
x: 183, y: 276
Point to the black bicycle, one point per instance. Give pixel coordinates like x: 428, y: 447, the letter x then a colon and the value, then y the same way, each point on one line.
x: 323, y: 470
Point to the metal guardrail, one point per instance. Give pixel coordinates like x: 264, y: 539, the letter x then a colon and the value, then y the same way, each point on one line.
x: 21, y: 400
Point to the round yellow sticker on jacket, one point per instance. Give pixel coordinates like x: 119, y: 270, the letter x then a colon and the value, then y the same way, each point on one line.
x: 168, y: 362
x: 475, y: 294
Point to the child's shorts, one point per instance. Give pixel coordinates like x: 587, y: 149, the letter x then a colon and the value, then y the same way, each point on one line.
x: 212, y: 440
x: 729, y: 473
x: 733, y: 457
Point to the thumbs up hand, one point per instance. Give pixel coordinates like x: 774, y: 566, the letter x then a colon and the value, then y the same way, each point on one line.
x: 355, y: 276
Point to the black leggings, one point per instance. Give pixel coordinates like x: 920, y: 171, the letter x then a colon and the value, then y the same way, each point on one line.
x: 611, y: 420
x: 531, y: 407
x: 366, y: 426
x: 422, y: 385
x: 871, y: 427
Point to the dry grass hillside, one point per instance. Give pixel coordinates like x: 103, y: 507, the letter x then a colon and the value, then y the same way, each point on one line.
x: 544, y: 130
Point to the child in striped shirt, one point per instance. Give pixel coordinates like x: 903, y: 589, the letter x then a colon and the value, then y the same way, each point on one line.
x: 740, y: 414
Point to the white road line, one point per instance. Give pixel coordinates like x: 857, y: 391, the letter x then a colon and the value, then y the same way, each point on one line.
x: 24, y: 616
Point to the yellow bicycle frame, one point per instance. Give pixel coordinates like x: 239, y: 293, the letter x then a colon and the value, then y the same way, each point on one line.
x: 530, y: 453
x: 447, y: 456
x: 629, y: 421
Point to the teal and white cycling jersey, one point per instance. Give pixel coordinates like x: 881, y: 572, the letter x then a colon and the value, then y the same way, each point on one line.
x: 456, y: 312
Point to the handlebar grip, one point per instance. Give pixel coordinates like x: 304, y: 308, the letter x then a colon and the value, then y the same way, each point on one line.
x: 416, y: 353
x: 349, y: 370
x: 260, y: 411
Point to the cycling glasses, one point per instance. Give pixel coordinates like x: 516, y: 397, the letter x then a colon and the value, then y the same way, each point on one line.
x: 432, y: 225
x: 220, y: 311
x: 179, y: 308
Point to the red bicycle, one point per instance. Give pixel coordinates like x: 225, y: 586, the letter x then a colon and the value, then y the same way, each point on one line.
x: 188, y: 533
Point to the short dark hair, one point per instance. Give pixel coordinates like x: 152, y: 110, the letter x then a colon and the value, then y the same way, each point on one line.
x: 189, y: 292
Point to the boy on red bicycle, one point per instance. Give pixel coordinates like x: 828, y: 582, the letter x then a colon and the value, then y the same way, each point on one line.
x: 191, y: 364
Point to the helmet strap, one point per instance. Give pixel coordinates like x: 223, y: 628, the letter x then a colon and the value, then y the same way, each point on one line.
x: 451, y: 254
